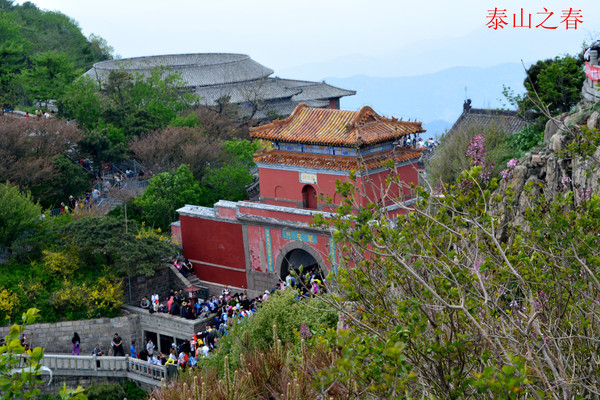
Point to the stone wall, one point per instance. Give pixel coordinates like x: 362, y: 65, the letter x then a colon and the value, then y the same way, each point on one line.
x: 163, y: 281
x: 56, y: 338
x: 590, y: 90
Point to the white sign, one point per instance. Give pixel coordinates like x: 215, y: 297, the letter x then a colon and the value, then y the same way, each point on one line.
x: 305, y: 177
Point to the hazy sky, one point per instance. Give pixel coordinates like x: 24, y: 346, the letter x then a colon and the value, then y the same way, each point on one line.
x: 282, y: 34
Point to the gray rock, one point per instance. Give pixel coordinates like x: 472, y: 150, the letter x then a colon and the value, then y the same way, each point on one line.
x: 594, y: 120
x: 556, y: 142
x: 553, y: 125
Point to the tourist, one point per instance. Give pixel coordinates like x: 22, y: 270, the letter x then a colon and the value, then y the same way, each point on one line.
x: 75, y: 340
x: 133, y: 350
x: 145, y: 303
x: 97, y: 352
x: 187, y: 266
x: 150, y: 348
x: 95, y: 195
x: 117, y: 345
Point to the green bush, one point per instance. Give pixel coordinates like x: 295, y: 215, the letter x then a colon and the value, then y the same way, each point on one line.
x: 527, y: 138
x: 450, y: 158
x: 18, y: 213
x: 106, y: 391
x: 284, y: 310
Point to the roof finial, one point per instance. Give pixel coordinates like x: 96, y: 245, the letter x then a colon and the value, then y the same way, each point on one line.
x: 467, y: 105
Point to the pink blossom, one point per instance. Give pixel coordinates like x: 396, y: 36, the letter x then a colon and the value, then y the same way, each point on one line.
x: 565, y: 180
x: 476, y: 150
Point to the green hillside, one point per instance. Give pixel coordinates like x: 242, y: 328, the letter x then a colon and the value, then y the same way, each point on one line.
x: 37, y: 47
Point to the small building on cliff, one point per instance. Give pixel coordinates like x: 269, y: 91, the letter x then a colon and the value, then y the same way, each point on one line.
x: 252, y: 245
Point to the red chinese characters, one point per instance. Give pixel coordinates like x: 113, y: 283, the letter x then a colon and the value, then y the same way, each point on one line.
x: 544, y: 19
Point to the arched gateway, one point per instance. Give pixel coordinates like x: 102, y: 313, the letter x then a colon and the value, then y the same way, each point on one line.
x: 294, y: 254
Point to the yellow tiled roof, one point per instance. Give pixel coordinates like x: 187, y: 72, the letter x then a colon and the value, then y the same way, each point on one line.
x: 323, y: 126
x: 323, y: 161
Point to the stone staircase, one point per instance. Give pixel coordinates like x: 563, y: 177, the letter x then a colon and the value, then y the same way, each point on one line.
x: 190, y: 280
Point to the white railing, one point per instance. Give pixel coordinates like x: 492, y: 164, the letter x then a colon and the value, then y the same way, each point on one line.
x: 143, y: 368
x: 104, y: 365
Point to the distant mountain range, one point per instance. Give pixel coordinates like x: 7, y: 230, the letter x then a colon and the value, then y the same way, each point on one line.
x: 426, y: 80
x: 482, y: 47
x: 435, y: 99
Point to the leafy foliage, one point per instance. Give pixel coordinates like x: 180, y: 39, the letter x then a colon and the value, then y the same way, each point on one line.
x: 450, y: 157
x: 229, y: 181
x: 527, y: 138
x: 18, y: 213
x: 555, y: 83
x: 34, y: 155
x: 463, y: 309
x: 41, y: 52
x: 106, y: 242
x: 20, y: 368
x: 166, y: 193
x: 256, y: 332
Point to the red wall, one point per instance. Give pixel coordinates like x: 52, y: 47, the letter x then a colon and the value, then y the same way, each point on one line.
x: 290, y: 181
x: 270, y: 179
x: 215, y: 242
x: 371, y: 185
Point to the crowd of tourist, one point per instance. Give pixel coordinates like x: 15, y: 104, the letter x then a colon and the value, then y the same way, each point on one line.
x: 222, y: 311
x: 419, y: 143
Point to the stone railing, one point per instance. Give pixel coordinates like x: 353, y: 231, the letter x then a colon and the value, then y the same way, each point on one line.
x: 105, y: 366
x: 167, y: 324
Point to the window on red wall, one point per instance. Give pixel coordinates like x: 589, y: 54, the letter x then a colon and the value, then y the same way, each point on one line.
x: 309, y: 197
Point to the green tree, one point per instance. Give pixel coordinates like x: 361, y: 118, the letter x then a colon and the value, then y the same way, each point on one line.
x: 450, y: 306
x: 229, y: 181
x: 107, y: 241
x: 18, y: 213
x: 141, y: 104
x: 555, y: 83
x: 81, y: 101
x: 70, y: 180
x: 12, y: 60
x: 50, y: 76
x: 167, y: 192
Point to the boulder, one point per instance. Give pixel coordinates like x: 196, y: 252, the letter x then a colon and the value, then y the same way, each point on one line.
x: 553, y: 125
x: 594, y: 120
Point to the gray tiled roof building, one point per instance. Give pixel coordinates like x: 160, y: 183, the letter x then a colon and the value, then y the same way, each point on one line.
x: 482, y: 119
x: 245, y: 82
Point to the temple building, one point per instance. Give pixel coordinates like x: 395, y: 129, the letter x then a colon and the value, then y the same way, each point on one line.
x: 251, y: 245
x: 234, y: 78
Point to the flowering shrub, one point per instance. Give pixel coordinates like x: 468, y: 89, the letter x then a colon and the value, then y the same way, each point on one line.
x: 61, y: 263
x: 106, y: 297
x: 477, y: 154
x: 510, y: 166
x: 9, y: 301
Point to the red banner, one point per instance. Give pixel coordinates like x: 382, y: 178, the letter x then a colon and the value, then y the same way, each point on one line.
x: 592, y: 72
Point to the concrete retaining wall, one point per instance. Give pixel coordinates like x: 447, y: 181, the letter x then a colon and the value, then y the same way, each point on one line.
x: 56, y: 338
x: 590, y: 91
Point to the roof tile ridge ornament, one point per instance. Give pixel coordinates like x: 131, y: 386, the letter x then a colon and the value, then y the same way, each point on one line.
x: 363, y: 114
x: 279, y: 122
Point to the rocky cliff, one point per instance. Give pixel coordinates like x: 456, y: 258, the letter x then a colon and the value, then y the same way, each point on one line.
x: 550, y: 169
